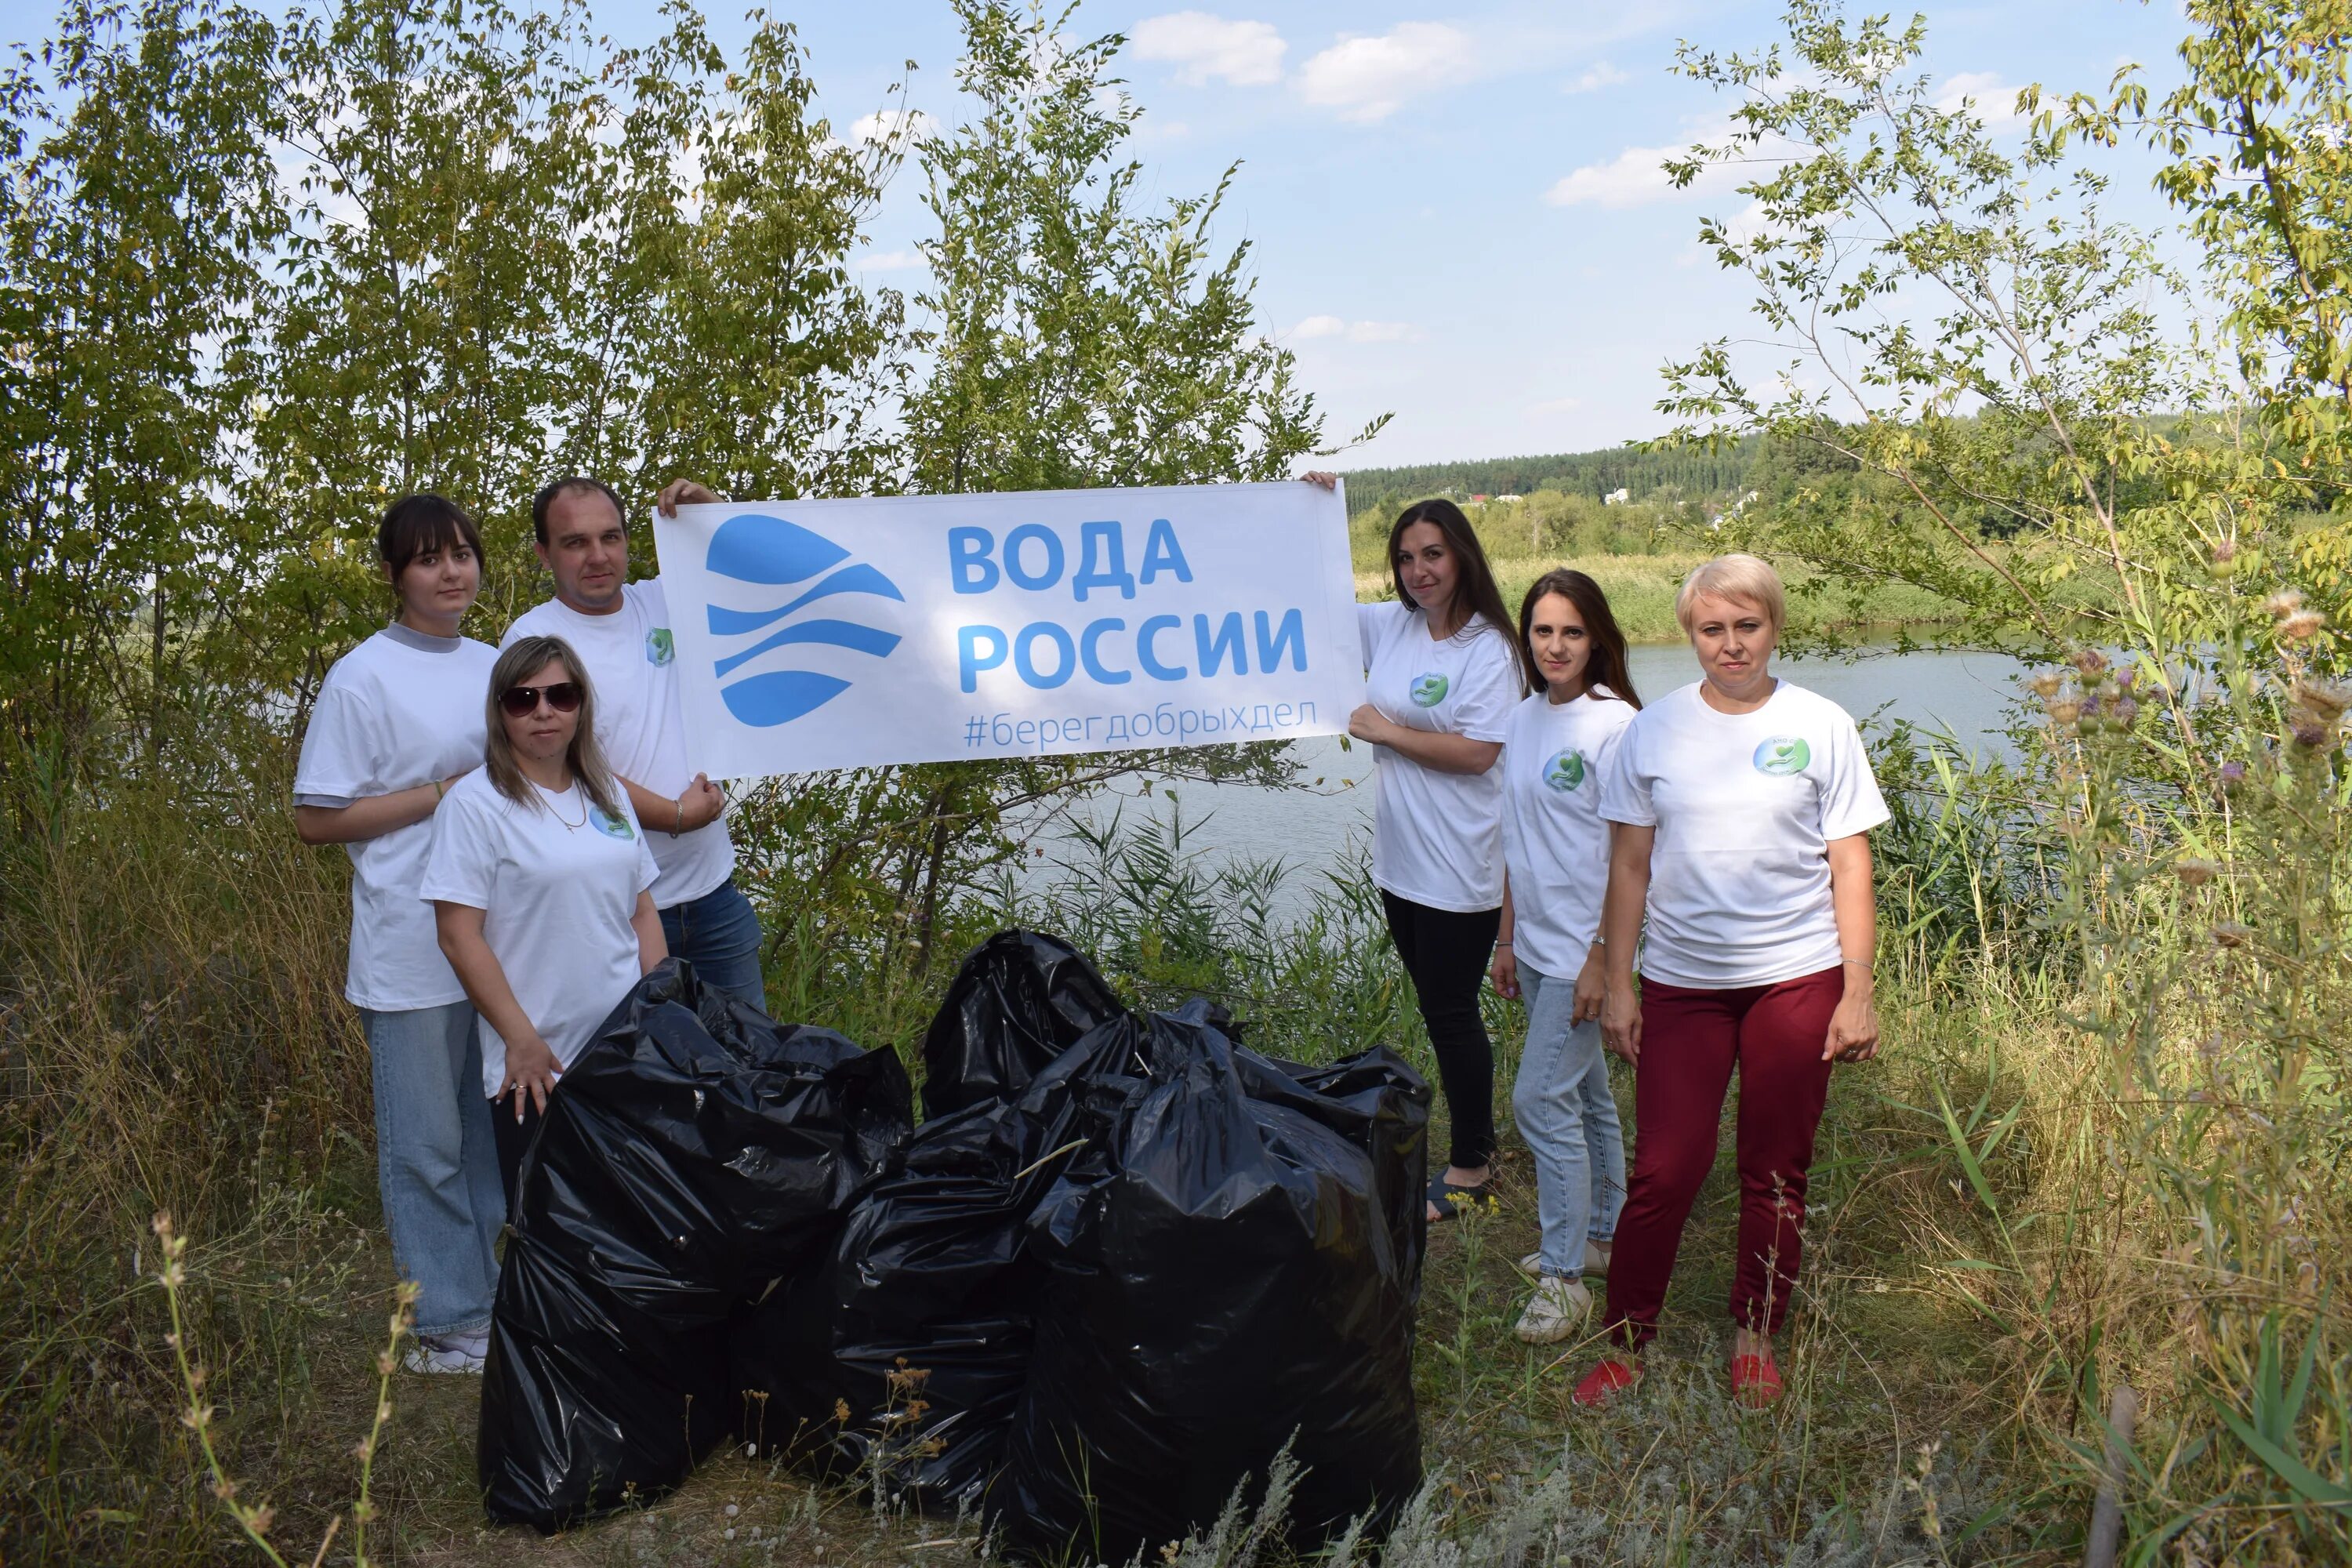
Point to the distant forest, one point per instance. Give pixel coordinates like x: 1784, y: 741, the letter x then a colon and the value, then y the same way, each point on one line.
x: 1696, y: 473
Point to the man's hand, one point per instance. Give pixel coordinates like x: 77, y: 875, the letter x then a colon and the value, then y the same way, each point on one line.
x: 1328, y: 480
x: 684, y: 492
x: 701, y: 804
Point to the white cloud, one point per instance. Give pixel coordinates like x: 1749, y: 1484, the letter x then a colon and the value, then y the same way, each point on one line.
x: 886, y: 123
x: 1995, y: 103
x: 1637, y: 176
x: 1354, y: 332
x: 1244, y: 54
x: 1602, y: 74
x: 1368, y: 79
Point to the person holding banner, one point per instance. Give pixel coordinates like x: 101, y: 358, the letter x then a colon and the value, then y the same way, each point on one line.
x: 397, y: 721
x: 1743, y: 808
x: 542, y: 882
x: 620, y: 631
x: 1559, y: 745
x: 1442, y: 677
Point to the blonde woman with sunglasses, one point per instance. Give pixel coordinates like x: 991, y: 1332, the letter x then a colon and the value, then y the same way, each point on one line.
x: 540, y: 880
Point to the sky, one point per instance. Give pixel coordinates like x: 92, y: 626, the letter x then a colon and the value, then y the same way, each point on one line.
x: 1456, y: 217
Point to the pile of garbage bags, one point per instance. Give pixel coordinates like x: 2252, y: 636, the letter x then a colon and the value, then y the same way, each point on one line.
x: 1122, y: 1263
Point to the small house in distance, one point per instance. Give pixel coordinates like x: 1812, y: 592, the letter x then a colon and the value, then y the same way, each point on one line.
x: 1618, y: 497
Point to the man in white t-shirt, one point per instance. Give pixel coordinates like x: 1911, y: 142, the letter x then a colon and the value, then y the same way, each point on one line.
x: 622, y: 632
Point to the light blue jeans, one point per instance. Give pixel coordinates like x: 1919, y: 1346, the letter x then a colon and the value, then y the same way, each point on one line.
x: 437, y: 1161
x: 719, y: 933
x: 1569, y: 1119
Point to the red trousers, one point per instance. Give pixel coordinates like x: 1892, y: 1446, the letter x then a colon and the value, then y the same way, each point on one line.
x: 1691, y: 1040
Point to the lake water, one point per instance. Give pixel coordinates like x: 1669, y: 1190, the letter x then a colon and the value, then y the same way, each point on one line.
x: 1968, y: 694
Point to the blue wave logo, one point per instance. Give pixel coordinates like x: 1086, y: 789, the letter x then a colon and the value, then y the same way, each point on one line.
x: 770, y: 552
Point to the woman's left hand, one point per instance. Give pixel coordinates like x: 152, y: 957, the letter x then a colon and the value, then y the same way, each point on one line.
x: 1591, y: 988
x: 1854, y: 1028
x: 1369, y: 723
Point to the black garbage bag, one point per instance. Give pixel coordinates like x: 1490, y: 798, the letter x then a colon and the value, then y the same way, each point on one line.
x: 695, y: 1154
x: 1018, y: 1002
x: 1224, y: 1279
x: 929, y: 1304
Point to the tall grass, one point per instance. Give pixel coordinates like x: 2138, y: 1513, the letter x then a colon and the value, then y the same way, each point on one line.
x: 2105, y: 1144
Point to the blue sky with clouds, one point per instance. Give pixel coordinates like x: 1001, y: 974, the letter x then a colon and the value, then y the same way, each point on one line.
x: 1457, y: 215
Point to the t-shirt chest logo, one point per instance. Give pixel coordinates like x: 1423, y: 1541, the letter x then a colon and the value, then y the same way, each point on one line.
x: 1429, y: 691
x: 610, y: 826
x: 659, y: 647
x: 1781, y: 755
x: 1566, y: 771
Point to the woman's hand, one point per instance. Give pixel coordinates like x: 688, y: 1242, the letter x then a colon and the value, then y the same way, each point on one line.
x: 1591, y: 987
x: 699, y: 807
x: 1854, y: 1028
x: 532, y: 1069
x: 1505, y: 971
x: 1322, y: 477
x: 1369, y: 723
x: 1621, y: 1021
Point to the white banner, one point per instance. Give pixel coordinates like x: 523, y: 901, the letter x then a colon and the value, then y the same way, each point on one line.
x: 830, y: 634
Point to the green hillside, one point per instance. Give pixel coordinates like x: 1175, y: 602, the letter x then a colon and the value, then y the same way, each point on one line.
x: 1695, y: 474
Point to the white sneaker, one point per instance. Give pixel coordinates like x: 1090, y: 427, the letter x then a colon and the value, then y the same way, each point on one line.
x: 447, y: 1352
x: 1558, y: 1308
x: 1595, y: 1263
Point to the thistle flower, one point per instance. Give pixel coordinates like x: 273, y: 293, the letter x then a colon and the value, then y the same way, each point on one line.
x: 2195, y: 870
x: 2233, y: 772
x: 2232, y: 933
x: 2301, y: 624
x: 2065, y: 711
x: 2313, y: 736
x: 2090, y: 661
x: 2225, y: 551
x: 2125, y: 711
x: 2282, y: 604
x: 2045, y: 683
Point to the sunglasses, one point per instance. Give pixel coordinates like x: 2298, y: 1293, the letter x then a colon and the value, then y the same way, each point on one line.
x: 522, y: 701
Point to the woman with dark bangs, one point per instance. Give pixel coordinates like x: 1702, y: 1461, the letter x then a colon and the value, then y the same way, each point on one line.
x: 1557, y: 749
x: 397, y: 721
x: 1441, y: 677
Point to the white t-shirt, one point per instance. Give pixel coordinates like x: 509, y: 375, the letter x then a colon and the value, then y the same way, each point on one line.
x: 399, y: 711
x: 557, y: 887
x: 1437, y: 837
x: 1555, y: 756
x: 632, y: 663
x: 1745, y: 805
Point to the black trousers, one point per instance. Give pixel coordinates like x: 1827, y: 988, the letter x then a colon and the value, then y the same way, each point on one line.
x: 513, y: 1137
x: 1446, y: 951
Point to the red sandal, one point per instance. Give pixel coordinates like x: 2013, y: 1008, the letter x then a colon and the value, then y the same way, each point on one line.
x: 1605, y: 1382
x: 1755, y: 1381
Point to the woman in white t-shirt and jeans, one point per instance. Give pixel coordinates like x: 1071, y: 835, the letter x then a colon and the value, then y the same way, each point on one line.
x: 397, y: 720
x: 1743, y: 806
x: 1442, y: 676
x: 1558, y: 748
x: 540, y: 878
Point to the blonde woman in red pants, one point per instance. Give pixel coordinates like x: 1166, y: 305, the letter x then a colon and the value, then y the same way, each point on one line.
x: 1743, y: 806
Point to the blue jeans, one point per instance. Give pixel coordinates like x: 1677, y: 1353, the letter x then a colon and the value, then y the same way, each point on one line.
x: 719, y: 933
x: 437, y: 1162
x: 1569, y: 1119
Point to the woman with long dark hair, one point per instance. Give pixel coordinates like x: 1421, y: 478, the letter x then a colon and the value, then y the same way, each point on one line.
x: 1441, y: 677
x: 540, y: 878
x: 1558, y: 747
x: 397, y: 721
